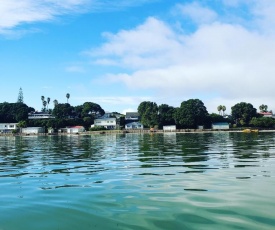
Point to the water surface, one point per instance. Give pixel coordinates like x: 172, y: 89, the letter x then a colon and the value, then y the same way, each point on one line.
x: 138, y: 181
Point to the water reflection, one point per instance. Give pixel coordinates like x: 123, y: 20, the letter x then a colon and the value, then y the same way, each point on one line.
x: 139, y: 181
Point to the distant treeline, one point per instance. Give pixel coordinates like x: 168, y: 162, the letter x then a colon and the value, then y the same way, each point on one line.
x: 191, y: 114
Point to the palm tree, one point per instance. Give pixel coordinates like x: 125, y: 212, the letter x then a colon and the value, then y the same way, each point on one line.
x: 43, y: 99
x: 44, y: 104
x: 55, y: 102
x: 48, y: 101
x: 223, y: 109
x: 219, y: 108
x: 67, y: 96
x: 263, y: 108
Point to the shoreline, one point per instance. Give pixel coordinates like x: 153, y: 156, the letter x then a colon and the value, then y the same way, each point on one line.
x: 144, y: 131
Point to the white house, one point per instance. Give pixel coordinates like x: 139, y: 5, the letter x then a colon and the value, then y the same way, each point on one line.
x: 33, y: 130
x: 169, y: 128
x: 220, y: 125
x: 134, y: 125
x: 132, y: 116
x: 8, y: 127
x: 108, y: 122
x: 73, y: 129
x: 266, y: 114
x: 40, y: 115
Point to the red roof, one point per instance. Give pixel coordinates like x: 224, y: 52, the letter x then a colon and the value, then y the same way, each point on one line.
x: 265, y: 113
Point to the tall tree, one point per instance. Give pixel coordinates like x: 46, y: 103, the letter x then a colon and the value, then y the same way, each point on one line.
x: 243, y: 112
x: 67, y: 96
x: 43, y: 99
x: 166, y: 115
x: 48, y: 102
x: 62, y: 111
x: 263, y: 108
x: 20, y: 96
x: 191, y: 114
x: 14, y: 112
x: 148, y: 112
x: 90, y: 109
x: 219, y: 108
x: 223, y: 109
x: 44, y: 104
x: 55, y: 102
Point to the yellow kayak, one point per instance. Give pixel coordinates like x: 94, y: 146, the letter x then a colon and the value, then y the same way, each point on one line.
x: 250, y: 131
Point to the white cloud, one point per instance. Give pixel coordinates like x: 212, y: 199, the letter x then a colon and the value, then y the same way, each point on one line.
x: 146, y: 46
x: 115, y: 100
x: 217, y: 61
x: 14, y: 13
x: 197, y: 13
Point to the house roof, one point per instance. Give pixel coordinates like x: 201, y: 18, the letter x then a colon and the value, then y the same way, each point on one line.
x: 265, y: 113
x: 132, y: 114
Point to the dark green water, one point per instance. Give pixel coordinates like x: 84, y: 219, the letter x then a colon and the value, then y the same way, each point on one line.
x: 133, y: 181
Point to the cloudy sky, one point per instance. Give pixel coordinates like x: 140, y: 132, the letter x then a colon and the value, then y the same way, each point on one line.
x: 118, y: 53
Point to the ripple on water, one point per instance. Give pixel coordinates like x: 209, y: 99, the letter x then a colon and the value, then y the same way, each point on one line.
x: 179, y: 181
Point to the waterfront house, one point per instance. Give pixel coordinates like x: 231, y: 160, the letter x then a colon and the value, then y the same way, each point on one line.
x: 169, y: 128
x: 106, y: 122
x: 33, y: 130
x: 7, y: 127
x: 134, y: 125
x: 40, y: 115
x: 266, y: 114
x: 72, y: 129
x: 220, y: 125
x: 131, y: 117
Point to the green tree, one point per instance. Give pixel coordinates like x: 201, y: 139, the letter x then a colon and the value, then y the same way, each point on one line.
x: 55, y: 102
x: 67, y: 96
x: 62, y: 111
x: 243, y: 112
x: 44, y: 104
x: 191, y: 114
x: 14, y: 112
x: 22, y: 124
x: 263, y: 108
x: 262, y: 122
x: 166, y: 115
x: 219, y: 108
x: 148, y: 112
x: 48, y: 102
x: 223, y: 109
x: 90, y: 109
x: 20, y: 96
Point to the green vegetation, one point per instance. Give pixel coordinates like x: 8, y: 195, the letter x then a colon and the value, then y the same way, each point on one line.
x: 191, y: 114
x: 242, y: 113
x: 14, y: 112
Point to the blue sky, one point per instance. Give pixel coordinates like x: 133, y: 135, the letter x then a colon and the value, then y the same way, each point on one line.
x: 119, y: 53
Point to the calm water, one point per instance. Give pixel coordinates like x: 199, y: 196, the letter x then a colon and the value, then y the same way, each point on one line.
x: 135, y: 181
